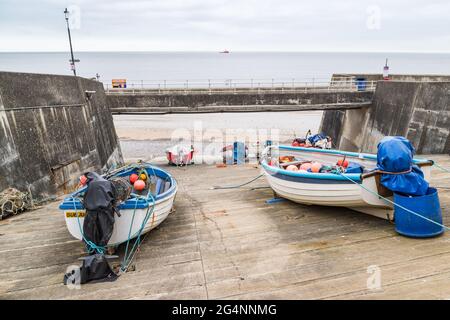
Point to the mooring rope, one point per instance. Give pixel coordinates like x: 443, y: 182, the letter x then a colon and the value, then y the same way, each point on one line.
x: 237, y: 186
x: 441, y: 167
x: 91, y: 246
x: 392, y: 202
x: 128, y: 258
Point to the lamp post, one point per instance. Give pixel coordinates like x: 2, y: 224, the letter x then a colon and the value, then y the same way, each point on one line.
x: 72, y: 61
x: 386, y: 71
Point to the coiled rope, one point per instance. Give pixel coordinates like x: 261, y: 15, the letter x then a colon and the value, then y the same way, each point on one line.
x: 13, y: 201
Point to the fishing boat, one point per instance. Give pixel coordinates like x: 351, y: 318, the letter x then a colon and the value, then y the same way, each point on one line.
x: 357, y: 191
x: 140, y: 211
x: 180, y: 155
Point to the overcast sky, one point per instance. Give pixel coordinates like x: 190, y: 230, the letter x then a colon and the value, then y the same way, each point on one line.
x: 237, y: 25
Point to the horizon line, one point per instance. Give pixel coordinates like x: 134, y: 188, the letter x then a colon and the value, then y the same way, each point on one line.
x: 211, y: 51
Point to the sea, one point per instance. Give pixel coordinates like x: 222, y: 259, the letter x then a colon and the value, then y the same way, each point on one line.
x: 147, y: 136
x: 181, y: 66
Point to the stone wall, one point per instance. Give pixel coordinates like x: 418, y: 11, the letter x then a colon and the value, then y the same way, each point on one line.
x: 179, y: 102
x: 393, y: 77
x: 51, y: 132
x: 419, y: 111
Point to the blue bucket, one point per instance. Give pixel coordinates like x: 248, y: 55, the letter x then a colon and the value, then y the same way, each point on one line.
x: 409, y: 224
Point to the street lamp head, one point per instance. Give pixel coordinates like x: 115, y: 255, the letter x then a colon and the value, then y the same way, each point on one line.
x: 66, y: 14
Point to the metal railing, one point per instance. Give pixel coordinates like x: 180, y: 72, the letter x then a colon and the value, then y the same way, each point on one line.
x: 236, y: 86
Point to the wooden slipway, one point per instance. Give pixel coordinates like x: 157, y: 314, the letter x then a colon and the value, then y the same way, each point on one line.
x: 231, y: 244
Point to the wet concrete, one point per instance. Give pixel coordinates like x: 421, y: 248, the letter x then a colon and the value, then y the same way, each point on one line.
x: 231, y: 244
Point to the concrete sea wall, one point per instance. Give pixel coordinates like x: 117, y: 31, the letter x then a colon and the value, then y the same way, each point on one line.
x: 419, y: 111
x: 203, y: 102
x: 393, y: 77
x: 52, y: 130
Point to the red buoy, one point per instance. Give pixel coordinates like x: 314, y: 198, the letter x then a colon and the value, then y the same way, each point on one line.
x: 83, y: 180
x: 139, y: 185
x: 342, y: 163
x: 133, y: 178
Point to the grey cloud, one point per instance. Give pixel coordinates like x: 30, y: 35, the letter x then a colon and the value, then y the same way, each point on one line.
x: 244, y: 25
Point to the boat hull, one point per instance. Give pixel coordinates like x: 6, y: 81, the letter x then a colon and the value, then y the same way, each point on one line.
x: 346, y: 190
x: 162, y: 209
x: 347, y: 195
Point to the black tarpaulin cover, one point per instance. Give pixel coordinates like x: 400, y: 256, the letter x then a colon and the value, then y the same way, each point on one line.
x: 99, y: 201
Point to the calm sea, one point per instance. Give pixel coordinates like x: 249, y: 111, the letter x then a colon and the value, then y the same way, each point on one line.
x: 214, y: 65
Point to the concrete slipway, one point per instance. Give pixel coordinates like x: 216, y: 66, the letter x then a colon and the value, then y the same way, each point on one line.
x: 230, y: 244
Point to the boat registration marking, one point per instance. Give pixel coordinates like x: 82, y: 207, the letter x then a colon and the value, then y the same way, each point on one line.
x: 73, y: 214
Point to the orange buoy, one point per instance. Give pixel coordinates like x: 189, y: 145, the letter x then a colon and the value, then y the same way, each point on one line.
x: 139, y: 185
x: 305, y: 166
x: 292, y: 168
x: 133, y: 178
x: 143, y: 176
x: 316, y: 166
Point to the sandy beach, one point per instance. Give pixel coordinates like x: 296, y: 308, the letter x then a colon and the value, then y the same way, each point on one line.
x: 143, y: 136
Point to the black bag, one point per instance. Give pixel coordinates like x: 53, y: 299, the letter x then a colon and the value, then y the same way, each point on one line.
x: 94, y: 267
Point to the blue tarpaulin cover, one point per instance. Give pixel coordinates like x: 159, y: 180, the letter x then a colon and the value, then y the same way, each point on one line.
x: 354, y: 167
x: 314, y: 138
x: 395, y: 154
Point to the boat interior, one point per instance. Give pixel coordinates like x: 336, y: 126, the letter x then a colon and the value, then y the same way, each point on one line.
x: 368, y: 162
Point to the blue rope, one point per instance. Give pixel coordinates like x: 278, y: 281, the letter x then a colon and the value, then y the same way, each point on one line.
x: 440, y: 167
x: 128, y: 258
x: 393, y: 203
x: 131, y: 226
x: 90, y: 246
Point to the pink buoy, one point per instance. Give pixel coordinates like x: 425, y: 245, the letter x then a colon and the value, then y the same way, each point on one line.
x: 292, y: 168
x: 139, y: 185
x: 306, y: 166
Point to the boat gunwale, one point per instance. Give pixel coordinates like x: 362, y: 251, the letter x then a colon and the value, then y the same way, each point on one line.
x: 73, y: 202
x: 355, y: 177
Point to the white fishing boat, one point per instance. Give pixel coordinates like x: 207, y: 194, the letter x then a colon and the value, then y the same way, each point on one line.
x: 145, y: 210
x: 357, y: 191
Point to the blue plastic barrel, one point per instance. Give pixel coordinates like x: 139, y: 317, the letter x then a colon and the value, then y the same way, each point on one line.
x: 411, y: 225
x: 238, y: 152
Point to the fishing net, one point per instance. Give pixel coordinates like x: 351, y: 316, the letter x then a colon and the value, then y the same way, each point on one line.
x: 123, y: 188
x: 13, y: 201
